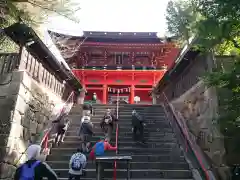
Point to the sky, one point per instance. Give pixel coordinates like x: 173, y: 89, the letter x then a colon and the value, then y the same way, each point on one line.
x: 109, y: 15
x: 114, y: 15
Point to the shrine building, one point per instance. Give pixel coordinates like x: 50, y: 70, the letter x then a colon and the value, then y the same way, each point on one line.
x: 110, y: 62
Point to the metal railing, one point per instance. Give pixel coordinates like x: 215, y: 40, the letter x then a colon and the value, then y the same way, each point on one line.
x: 190, y: 149
x: 117, y: 114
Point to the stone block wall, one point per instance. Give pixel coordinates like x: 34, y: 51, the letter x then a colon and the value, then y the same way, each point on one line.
x: 25, y: 108
x: 198, y: 107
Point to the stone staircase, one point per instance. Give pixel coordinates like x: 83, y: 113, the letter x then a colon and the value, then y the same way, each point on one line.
x: 161, y: 158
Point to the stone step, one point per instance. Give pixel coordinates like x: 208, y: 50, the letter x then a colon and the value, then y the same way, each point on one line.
x: 123, y: 117
x: 135, y: 173
x: 75, y: 144
x: 128, y: 105
x: 155, y: 134
x: 85, y: 178
x: 129, y: 124
x: 122, y: 165
x: 96, y: 112
x: 125, y: 150
x: 136, y: 158
x: 125, y: 139
x: 160, y: 158
x: 125, y: 129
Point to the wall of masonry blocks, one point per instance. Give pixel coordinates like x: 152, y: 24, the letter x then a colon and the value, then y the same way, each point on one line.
x: 25, y: 110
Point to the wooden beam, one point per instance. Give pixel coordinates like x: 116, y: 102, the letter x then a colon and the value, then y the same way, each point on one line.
x: 94, y: 88
x: 143, y: 89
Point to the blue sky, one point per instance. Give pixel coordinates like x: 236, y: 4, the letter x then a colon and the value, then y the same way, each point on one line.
x: 115, y: 15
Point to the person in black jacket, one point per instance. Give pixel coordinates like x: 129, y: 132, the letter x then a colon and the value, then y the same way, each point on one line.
x: 137, y: 125
x: 87, y: 107
x: 107, y: 124
x: 33, y: 167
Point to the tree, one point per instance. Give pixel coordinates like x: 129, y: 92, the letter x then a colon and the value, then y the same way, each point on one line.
x: 215, y: 24
x: 181, y: 19
x: 33, y: 13
x: 218, y: 30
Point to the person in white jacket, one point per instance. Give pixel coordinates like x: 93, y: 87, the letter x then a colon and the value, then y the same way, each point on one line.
x: 77, y: 165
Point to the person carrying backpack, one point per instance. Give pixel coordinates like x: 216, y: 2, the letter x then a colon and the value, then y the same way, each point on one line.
x: 100, y: 149
x: 33, y: 169
x: 86, y: 132
x: 107, y: 124
x: 77, y: 165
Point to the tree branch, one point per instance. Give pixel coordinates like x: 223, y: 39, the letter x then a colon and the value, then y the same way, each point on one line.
x: 235, y: 43
x: 52, y: 10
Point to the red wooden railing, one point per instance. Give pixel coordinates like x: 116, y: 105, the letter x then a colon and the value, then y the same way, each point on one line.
x: 188, y: 143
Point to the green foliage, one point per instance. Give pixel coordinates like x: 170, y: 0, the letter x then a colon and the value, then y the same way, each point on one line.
x: 181, y: 19
x: 217, y: 26
x: 33, y: 13
x: 216, y: 23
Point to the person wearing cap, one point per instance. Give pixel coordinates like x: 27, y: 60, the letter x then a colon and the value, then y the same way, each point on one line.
x: 77, y: 165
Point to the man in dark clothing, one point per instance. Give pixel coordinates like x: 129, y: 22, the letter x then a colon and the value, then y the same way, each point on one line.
x: 87, y: 107
x: 86, y: 132
x: 137, y: 125
x: 107, y: 124
x: 34, y: 169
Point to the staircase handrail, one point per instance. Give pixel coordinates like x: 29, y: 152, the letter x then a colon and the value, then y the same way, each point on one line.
x: 116, y: 142
x: 44, y: 142
x: 44, y: 139
x: 189, y: 144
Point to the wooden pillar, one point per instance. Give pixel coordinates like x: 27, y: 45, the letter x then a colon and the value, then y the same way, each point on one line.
x: 104, y: 94
x: 132, y: 94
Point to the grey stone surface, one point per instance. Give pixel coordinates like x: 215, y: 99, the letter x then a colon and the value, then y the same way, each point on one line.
x: 198, y: 108
x: 25, y: 109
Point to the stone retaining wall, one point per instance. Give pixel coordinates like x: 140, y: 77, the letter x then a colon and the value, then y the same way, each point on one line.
x: 25, y: 109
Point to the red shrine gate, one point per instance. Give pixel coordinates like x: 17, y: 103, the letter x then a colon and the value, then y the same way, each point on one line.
x: 106, y: 62
x: 130, y: 83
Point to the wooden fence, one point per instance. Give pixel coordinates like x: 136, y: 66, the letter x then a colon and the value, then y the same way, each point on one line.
x: 8, y: 62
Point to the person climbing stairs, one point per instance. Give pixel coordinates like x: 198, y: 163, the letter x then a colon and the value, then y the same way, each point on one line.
x: 160, y: 158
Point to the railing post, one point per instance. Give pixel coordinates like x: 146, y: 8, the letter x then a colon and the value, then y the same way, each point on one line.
x: 115, y: 162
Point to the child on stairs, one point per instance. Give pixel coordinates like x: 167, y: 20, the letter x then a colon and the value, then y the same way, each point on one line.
x: 77, y: 165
